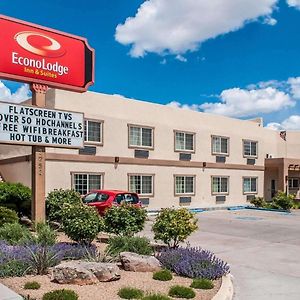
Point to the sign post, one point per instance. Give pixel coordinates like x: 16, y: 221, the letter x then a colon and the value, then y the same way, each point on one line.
x: 38, y: 207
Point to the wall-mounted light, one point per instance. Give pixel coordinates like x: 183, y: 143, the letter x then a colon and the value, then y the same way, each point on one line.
x: 117, y: 159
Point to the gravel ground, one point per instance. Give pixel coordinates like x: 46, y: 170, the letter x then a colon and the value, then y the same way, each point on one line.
x: 106, y: 290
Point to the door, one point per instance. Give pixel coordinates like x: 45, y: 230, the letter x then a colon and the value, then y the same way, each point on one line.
x: 273, y: 188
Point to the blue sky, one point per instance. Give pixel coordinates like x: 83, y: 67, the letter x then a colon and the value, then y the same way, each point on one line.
x: 234, y: 57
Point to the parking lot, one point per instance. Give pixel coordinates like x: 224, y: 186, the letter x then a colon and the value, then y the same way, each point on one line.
x: 262, y: 248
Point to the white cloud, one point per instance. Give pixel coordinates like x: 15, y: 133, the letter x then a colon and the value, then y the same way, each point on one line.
x: 270, y: 21
x: 291, y: 123
x: 294, y: 3
x: 177, y: 104
x: 178, y: 26
x: 294, y: 83
x: 180, y: 58
x: 238, y: 102
x: 22, y: 93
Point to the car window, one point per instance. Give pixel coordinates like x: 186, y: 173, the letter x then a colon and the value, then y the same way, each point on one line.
x: 90, y: 198
x: 102, y: 197
x: 119, y: 198
x: 131, y: 198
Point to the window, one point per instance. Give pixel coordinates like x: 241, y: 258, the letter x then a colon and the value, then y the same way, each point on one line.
x: 250, y: 148
x: 84, y: 183
x: 250, y: 185
x: 140, y: 136
x: 141, y: 184
x: 220, y: 185
x: 184, y: 185
x: 184, y: 141
x: 126, y: 198
x: 293, y: 183
x: 93, y: 131
x: 220, y: 145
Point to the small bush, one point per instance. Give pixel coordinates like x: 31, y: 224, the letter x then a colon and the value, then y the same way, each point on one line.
x: 45, y: 235
x: 130, y: 293
x: 125, y: 219
x: 179, y: 291
x: 173, y: 226
x: 193, y: 263
x: 81, y: 223
x: 15, y: 234
x: 156, y: 297
x: 139, y: 245
x: 56, y: 200
x: 203, y: 284
x: 284, y: 201
x: 61, y: 295
x: 13, y: 268
x: 163, y: 275
x: 258, y: 202
x: 16, y: 196
x: 8, y: 216
x: 32, y: 285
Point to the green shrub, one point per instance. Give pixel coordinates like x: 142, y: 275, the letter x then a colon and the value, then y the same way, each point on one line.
x: 81, y: 223
x: 156, y: 297
x: 13, y: 268
x: 284, y: 201
x: 130, y: 293
x: 173, y: 226
x: 179, y: 291
x: 32, y: 285
x: 16, y: 196
x: 258, y: 202
x: 139, y: 245
x: 124, y: 219
x: 15, y: 234
x: 45, y: 235
x: 56, y: 200
x: 204, y: 284
x: 162, y: 275
x: 8, y: 216
x: 61, y: 295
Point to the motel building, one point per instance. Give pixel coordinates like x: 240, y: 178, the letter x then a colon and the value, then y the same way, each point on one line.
x: 169, y: 156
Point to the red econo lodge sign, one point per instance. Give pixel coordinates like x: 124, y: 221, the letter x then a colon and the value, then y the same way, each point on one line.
x: 35, y: 54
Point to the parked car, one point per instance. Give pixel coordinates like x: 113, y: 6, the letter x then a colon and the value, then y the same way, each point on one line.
x: 104, y: 199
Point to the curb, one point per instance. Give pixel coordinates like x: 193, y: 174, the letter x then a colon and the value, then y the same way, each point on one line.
x: 8, y: 294
x: 226, y: 290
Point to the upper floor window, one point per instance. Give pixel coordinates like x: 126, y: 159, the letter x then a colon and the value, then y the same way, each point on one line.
x: 220, y: 185
x: 250, y: 185
x: 140, y: 136
x: 184, y: 141
x: 83, y: 183
x: 220, y: 145
x: 250, y: 148
x: 184, y: 185
x: 93, y: 131
x: 141, y: 184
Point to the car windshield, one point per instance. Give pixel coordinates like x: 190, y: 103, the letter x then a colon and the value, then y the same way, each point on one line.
x: 127, y: 198
x: 95, y: 197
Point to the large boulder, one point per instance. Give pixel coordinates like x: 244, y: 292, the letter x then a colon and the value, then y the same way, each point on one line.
x: 139, y: 263
x: 84, y: 273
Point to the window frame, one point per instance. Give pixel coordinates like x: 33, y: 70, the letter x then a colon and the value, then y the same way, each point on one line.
x: 228, y: 185
x: 73, y: 173
x: 293, y: 179
x: 185, y: 150
x: 250, y: 156
x: 137, y: 146
x: 251, y: 192
x: 220, y: 153
x: 194, y: 185
x: 101, y: 122
x: 141, y: 174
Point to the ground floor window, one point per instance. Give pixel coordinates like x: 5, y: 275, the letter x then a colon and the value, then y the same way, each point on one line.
x: 250, y: 185
x: 220, y: 185
x: 141, y: 184
x: 83, y: 183
x: 293, y: 183
x: 184, y: 185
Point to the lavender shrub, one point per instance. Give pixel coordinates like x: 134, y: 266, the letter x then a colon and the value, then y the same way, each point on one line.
x: 193, y: 262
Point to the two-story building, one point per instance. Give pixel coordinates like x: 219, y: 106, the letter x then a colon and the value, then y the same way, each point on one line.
x: 169, y: 156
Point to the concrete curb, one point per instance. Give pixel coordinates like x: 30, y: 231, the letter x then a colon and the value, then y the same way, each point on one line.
x: 226, y: 290
x: 8, y: 294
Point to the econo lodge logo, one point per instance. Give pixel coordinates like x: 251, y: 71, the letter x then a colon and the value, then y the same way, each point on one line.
x: 42, y: 45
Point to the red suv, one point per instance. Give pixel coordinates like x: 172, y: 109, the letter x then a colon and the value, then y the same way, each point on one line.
x: 104, y: 199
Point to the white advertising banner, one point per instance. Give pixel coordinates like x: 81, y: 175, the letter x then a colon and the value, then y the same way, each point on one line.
x: 31, y: 125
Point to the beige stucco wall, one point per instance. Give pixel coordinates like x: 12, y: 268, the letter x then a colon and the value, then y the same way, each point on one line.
x: 17, y: 172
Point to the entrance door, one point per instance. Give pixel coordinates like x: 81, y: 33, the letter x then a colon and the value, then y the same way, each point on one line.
x: 273, y: 188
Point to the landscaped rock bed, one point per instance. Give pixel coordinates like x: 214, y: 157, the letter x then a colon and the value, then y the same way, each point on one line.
x: 107, y: 290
